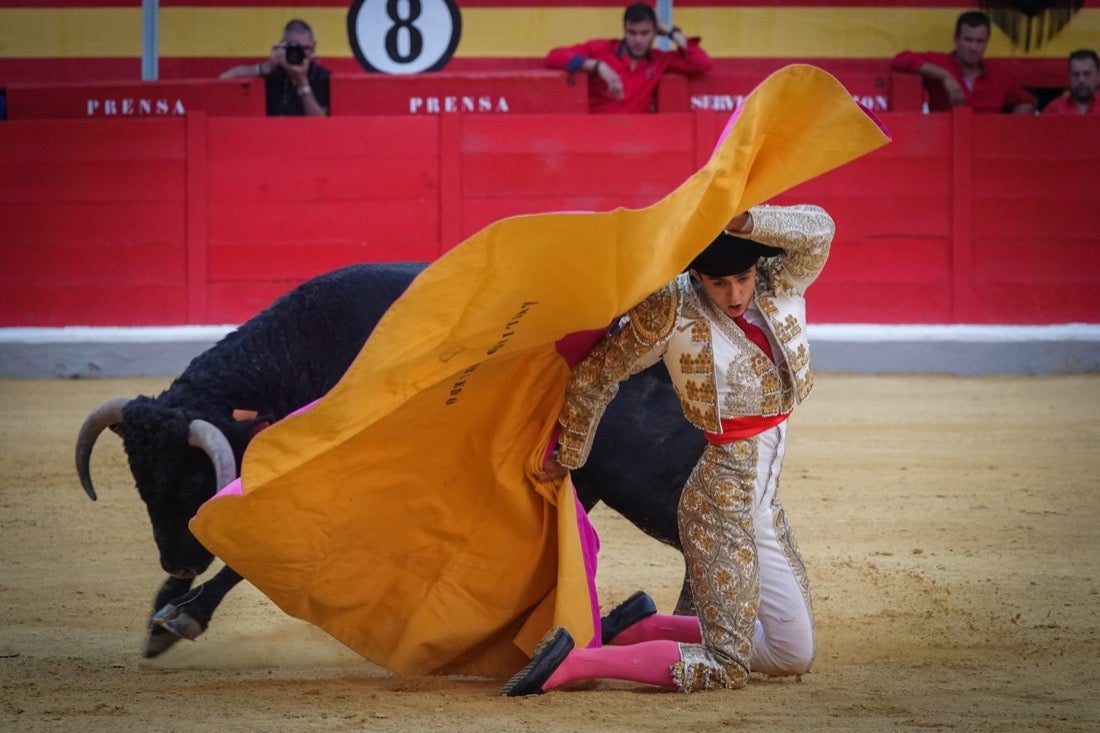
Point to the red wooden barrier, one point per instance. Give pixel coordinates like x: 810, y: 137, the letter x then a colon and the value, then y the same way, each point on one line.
x: 500, y: 92
x: 94, y: 225
x: 529, y: 164
x: 1035, y: 243
x: 204, y: 219
x: 293, y: 197
x: 892, y: 258
x: 135, y: 99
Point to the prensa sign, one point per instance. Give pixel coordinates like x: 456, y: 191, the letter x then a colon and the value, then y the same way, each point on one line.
x: 133, y: 107
x: 114, y: 100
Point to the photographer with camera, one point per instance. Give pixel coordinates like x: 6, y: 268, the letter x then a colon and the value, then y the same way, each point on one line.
x: 295, y: 83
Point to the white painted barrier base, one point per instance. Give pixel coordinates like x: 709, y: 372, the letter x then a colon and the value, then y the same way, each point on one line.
x: 84, y: 352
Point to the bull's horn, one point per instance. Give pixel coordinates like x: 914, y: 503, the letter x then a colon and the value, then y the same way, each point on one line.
x: 107, y: 414
x: 214, y: 443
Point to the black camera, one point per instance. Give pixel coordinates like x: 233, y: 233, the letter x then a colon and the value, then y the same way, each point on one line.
x: 295, y: 53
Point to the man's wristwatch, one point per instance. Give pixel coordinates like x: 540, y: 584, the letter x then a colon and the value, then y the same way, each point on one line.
x: 674, y: 30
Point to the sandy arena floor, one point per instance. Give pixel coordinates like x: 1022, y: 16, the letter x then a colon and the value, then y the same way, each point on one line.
x: 950, y: 527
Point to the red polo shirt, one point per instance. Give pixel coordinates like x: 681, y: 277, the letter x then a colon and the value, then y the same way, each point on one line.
x: 639, y: 83
x: 995, y: 90
x: 1064, y: 105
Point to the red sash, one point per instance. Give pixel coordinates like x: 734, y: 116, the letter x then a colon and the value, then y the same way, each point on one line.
x: 739, y: 428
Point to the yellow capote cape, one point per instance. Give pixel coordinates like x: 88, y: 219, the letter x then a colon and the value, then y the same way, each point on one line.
x: 400, y: 513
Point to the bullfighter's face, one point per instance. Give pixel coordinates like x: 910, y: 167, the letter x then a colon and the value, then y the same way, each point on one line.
x: 730, y: 294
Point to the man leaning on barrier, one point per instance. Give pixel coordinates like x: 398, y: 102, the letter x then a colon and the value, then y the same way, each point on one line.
x: 1080, y: 97
x: 624, y: 72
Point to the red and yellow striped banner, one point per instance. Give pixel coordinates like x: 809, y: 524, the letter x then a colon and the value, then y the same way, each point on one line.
x: 76, y: 29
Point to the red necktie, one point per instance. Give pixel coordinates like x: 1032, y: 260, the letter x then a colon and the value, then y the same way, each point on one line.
x: 756, y: 335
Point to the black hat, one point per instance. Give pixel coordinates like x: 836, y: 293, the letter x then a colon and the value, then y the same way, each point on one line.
x: 731, y: 255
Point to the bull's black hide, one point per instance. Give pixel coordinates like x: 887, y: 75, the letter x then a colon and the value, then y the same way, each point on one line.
x: 295, y: 351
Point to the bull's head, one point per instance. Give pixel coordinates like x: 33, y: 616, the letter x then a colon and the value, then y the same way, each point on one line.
x: 178, y: 462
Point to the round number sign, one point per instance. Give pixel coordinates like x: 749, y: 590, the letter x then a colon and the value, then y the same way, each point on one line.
x: 404, y: 36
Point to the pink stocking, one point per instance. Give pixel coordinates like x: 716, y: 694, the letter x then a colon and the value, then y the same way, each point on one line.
x: 649, y: 663
x: 661, y: 626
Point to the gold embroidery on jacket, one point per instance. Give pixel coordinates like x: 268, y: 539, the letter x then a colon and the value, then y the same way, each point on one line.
x: 700, y: 391
x: 700, y: 332
x: 782, y: 284
x: 698, y: 364
x: 805, y: 232
x: 799, y: 358
x: 595, y: 380
x: 673, y: 322
x: 654, y: 318
x: 701, y: 416
x: 805, y: 385
x: 788, y: 329
x: 770, y: 382
x: 761, y: 365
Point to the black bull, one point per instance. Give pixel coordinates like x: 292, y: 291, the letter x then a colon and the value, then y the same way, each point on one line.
x: 190, y: 439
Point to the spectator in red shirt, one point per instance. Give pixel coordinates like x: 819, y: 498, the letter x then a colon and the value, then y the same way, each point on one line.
x: 625, y: 71
x: 962, y: 77
x: 1080, y: 99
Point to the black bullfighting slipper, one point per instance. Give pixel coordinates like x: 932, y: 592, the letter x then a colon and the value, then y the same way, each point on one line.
x: 625, y: 615
x: 547, y: 657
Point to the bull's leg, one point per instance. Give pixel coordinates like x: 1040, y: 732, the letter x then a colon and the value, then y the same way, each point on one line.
x: 160, y: 638
x: 685, y: 605
x: 187, y: 616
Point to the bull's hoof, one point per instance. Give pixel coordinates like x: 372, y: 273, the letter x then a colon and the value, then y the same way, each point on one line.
x: 159, y: 641
x: 178, y: 622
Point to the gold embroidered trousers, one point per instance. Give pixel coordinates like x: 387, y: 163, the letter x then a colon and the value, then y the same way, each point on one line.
x: 749, y: 582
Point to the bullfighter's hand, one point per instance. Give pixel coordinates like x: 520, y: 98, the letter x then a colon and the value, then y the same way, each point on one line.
x: 551, y: 470
x: 741, y: 224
